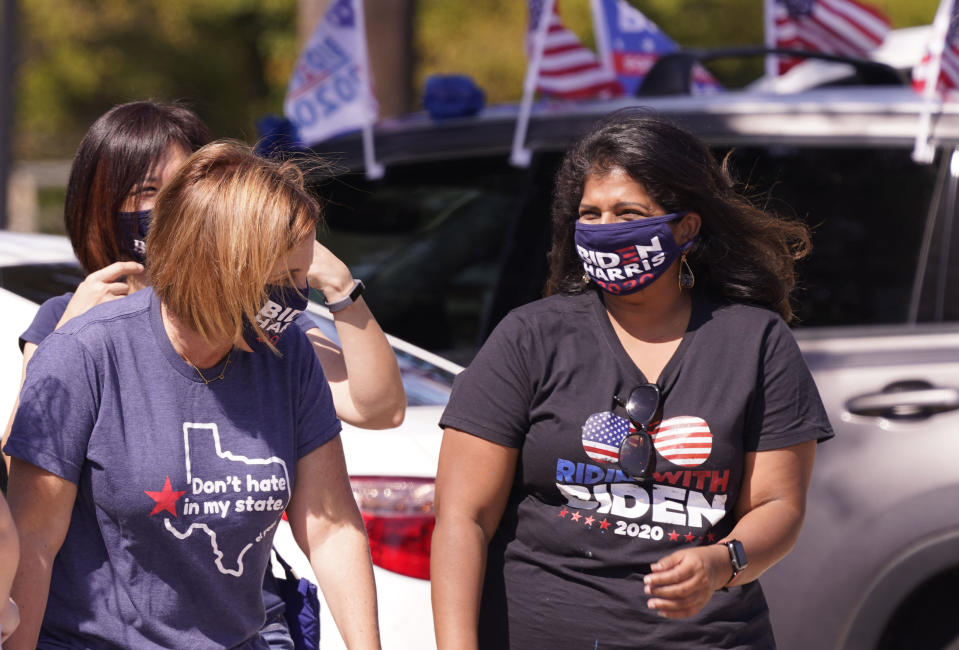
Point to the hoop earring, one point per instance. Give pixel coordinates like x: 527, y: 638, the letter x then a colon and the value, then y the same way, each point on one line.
x: 686, y: 278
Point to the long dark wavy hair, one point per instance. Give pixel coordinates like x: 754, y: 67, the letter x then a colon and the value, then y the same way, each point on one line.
x: 742, y: 255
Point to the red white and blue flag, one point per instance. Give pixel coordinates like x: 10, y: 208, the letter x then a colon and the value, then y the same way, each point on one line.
x: 841, y: 27
x: 567, y: 69
x: 948, y: 62
x: 330, y: 91
x: 630, y: 43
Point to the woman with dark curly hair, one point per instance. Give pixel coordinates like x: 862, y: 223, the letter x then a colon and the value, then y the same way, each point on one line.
x: 624, y: 458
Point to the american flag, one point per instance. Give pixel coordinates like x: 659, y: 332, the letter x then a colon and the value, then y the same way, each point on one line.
x: 568, y: 70
x: 602, y: 435
x: 843, y: 27
x: 948, y: 64
x: 686, y: 440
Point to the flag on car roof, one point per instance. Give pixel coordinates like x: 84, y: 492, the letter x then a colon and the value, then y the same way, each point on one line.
x: 330, y: 90
x: 941, y: 62
x: 841, y: 27
x: 948, y: 58
x: 567, y: 68
x: 630, y: 43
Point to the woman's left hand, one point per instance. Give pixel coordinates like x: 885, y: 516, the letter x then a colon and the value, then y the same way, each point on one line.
x: 683, y: 582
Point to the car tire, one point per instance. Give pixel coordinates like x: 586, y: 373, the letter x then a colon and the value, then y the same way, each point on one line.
x: 926, y: 618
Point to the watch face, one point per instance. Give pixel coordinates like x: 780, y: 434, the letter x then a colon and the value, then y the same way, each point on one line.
x: 737, y: 554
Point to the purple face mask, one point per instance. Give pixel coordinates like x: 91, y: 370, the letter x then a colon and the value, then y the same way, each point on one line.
x: 623, y: 258
x: 284, y: 303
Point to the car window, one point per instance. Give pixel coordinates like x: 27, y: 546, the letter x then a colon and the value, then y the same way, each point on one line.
x: 39, y: 282
x: 430, y: 244
x: 867, y: 208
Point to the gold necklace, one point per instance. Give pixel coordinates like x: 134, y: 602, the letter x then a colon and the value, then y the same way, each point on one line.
x: 207, y: 382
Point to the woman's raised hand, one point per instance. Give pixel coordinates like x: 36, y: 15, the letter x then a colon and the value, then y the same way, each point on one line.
x: 109, y: 283
x: 329, y: 274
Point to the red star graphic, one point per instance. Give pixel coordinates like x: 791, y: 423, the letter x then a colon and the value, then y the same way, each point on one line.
x: 563, y: 512
x: 575, y: 516
x: 604, y: 524
x: 689, y: 537
x: 710, y: 537
x: 589, y: 520
x: 673, y: 536
x: 165, y: 499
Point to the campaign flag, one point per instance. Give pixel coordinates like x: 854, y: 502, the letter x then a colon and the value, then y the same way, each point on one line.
x: 330, y: 91
x: 567, y: 68
x: 947, y: 49
x: 939, y: 64
x: 630, y: 44
x: 841, y: 27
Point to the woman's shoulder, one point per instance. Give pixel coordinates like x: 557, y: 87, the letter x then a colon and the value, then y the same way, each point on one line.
x: 740, y: 315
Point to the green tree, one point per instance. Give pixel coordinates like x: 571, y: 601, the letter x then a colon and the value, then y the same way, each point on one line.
x: 229, y: 59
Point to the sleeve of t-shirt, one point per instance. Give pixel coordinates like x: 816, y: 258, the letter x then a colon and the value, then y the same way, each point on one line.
x: 787, y: 409
x: 316, y: 421
x: 491, y: 399
x: 46, y: 319
x: 305, y: 322
x: 58, y: 408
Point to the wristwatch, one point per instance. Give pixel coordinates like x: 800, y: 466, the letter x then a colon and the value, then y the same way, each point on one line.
x: 737, y: 557
x: 343, y: 303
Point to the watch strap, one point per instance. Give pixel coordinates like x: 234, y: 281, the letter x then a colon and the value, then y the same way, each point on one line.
x: 352, y: 297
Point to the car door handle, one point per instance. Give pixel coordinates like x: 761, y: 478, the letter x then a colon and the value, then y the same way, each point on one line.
x: 895, y: 402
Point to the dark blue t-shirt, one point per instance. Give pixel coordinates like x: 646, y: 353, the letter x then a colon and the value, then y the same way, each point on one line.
x: 180, y: 485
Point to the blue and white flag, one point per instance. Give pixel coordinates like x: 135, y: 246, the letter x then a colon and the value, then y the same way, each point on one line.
x: 630, y: 43
x: 330, y: 89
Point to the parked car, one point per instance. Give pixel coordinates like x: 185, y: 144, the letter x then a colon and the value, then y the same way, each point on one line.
x: 391, y: 471
x: 453, y: 237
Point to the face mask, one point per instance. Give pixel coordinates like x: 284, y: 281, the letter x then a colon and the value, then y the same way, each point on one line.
x: 133, y: 233
x: 623, y: 258
x: 283, y: 304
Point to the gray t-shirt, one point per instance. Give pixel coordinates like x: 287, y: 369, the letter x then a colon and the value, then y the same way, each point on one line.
x: 180, y: 485
x: 566, y: 564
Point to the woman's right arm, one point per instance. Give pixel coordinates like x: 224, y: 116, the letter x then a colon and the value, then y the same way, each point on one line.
x: 41, y: 504
x: 473, y: 483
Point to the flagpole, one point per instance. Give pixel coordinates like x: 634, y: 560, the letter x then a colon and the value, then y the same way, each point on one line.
x: 374, y: 170
x: 769, y: 33
x: 520, y: 156
x: 924, y: 151
x: 601, y: 35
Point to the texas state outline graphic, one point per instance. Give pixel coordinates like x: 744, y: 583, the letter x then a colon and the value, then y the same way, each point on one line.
x: 223, y: 558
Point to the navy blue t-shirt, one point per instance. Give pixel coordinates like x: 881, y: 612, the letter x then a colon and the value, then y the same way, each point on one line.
x: 180, y: 485
x: 565, y: 567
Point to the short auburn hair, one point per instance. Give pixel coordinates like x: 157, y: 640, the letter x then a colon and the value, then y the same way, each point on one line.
x: 117, y: 152
x: 219, y: 226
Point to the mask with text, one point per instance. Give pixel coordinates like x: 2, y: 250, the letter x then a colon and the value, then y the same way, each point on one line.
x: 133, y: 233
x: 283, y: 304
x: 624, y: 257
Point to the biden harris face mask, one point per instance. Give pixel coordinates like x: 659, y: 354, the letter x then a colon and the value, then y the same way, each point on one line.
x: 624, y: 257
x: 133, y: 233
x: 283, y: 304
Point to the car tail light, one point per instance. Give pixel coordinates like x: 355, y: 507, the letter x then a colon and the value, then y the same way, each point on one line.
x: 398, y: 513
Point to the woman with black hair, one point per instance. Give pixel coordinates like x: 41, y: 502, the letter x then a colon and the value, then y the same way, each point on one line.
x: 624, y: 458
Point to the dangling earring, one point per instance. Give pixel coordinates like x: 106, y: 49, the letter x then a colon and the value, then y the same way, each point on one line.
x: 586, y: 279
x: 686, y: 278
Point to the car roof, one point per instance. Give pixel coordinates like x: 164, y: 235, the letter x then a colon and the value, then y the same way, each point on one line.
x: 879, y: 116
x: 32, y: 248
